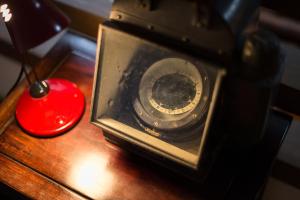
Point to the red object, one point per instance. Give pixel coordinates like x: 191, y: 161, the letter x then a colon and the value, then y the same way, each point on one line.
x: 53, y: 114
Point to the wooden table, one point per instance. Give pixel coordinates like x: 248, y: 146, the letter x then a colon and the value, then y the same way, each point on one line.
x: 80, y: 164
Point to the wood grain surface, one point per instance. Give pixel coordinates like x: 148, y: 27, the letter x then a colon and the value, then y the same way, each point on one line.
x: 78, y: 164
x: 25, y: 181
x: 81, y: 160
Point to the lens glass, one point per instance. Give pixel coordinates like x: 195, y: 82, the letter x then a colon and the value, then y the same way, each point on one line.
x: 173, y: 91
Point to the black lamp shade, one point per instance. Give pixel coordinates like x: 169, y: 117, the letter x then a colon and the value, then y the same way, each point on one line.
x: 33, y: 22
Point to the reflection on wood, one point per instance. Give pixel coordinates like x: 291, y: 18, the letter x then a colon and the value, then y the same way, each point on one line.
x: 82, y: 160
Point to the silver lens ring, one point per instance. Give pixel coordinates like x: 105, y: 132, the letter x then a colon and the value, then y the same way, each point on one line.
x: 173, y: 93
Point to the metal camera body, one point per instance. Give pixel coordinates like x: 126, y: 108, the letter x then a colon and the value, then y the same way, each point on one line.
x: 177, y: 81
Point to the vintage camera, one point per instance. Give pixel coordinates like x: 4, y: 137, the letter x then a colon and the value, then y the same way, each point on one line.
x: 176, y: 81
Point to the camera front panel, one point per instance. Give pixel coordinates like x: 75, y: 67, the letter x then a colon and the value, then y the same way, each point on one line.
x: 154, y: 97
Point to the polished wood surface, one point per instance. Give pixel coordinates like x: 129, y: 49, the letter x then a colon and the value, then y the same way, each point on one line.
x: 80, y: 163
x: 30, y: 183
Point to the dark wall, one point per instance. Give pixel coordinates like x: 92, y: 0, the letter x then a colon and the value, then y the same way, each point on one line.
x: 288, y: 7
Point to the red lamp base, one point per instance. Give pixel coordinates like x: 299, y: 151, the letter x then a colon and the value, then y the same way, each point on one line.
x: 53, y: 114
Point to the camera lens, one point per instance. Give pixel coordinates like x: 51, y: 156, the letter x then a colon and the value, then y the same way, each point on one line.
x: 173, y: 94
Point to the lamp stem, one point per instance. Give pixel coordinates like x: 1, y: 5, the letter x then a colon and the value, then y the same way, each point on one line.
x: 23, y: 64
x: 32, y: 68
x: 37, y: 88
x: 35, y: 74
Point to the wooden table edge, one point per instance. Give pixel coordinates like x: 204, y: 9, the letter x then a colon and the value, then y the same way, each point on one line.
x: 10, y: 166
